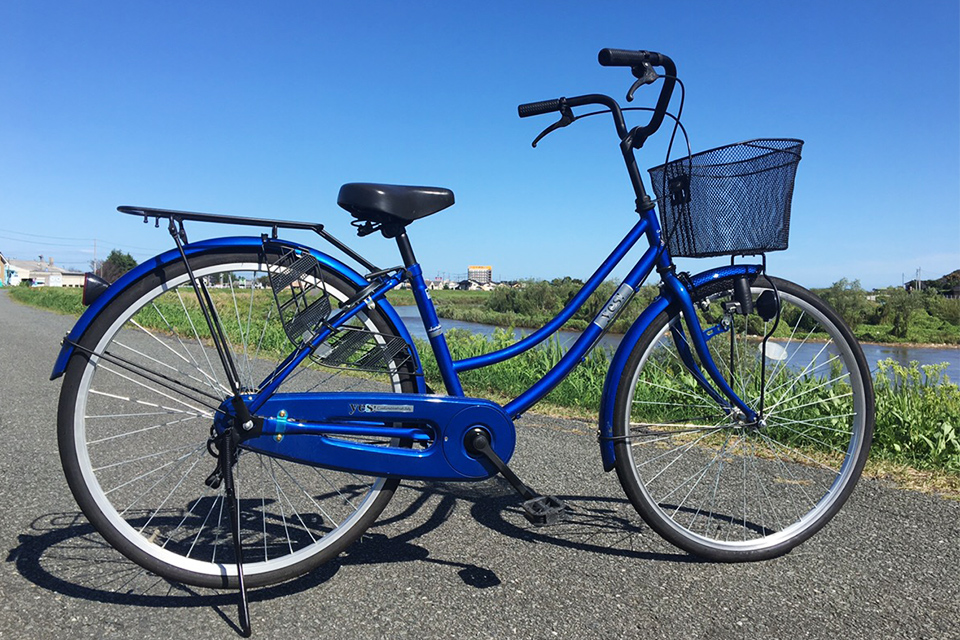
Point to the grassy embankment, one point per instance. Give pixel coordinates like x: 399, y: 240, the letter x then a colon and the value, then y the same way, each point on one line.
x: 916, y: 441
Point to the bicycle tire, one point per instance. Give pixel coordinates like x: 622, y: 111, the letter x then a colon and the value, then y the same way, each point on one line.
x: 135, y: 453
x: 728, y: 492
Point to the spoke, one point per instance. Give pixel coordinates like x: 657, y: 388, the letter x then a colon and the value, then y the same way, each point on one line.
x: 346, y: 499
x: 263, y: 334
x: 322, y: 511
x: 806, y: 369
x: 142, y: 458
x: 143, y: 430
x: 810, y: 423
x: 216, y: 540
x: 716, y: 483
x: 821, y: 443
x: 246, y: 351
x: 807, y: 375
x: 207, y: 378
x: 196, y: 335
x: 208, y: 414
x: 809, y: 404
x: 743, y: 484
x: 112, y: 416
x: 682, y: 392
x: 686, y: 428
x: 654, y: 403
x: 703, y: 473
x: 683, y: 449
x: 243, y: 335
x: 794, y: 481
x: 762, y: 489
x: 788, y: 342
x: 799, y: 454
x: 294, y: 510
x: 174, y: 463
x: 183, y: 520
x: 283, y: 516
x: 170, y: 493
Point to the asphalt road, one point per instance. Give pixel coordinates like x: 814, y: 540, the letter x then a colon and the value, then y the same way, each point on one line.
x: 459, y: 561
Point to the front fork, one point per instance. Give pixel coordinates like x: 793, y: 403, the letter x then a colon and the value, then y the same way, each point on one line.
x: 720, y: 391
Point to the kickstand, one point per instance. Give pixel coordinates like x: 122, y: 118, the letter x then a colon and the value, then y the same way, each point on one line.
x: 228, y: 449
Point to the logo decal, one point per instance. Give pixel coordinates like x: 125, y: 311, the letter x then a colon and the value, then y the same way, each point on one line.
x: 613, y: 306
x: 380, y: 408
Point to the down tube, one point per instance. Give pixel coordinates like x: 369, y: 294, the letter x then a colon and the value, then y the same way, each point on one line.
x: 587, y: 340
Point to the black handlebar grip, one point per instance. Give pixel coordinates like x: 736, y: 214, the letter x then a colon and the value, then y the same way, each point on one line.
x: 538, y: 108
x: 628, y: 58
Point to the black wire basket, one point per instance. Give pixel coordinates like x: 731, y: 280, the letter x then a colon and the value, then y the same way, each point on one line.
x: 733, y: 200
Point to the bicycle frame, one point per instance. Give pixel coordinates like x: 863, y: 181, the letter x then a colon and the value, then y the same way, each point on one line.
x: 673, y: 292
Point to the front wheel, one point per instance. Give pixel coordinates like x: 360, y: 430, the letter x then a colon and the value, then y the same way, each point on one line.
x: 704, y: 479
x: 140, y: 396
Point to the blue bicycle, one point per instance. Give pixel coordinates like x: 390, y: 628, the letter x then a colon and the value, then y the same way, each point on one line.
x: 236, y: 411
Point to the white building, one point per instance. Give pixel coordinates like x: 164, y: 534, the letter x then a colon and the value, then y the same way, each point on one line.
x: 40, y: 274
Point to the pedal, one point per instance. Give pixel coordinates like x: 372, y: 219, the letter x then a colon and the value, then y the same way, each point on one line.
x: 544, y: 511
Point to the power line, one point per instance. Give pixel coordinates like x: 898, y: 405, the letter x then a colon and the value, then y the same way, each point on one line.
x: 81, y: 241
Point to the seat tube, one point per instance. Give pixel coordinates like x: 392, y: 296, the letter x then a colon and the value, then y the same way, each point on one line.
x: 431, y: 322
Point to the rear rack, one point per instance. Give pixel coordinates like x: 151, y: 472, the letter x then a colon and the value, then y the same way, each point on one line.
x: 177, y: 218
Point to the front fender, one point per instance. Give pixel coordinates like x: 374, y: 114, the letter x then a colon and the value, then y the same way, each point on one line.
x: 160, y: 262
x: 629, y: 342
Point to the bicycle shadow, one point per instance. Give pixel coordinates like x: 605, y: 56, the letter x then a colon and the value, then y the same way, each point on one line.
x: 594, y: 524
x: 63, y: 553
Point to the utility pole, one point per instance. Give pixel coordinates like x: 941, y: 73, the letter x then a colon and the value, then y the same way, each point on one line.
x: 96, y: 267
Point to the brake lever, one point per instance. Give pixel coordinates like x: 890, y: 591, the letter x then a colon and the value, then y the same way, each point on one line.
x: 645, y: 74
x: 566, y: 117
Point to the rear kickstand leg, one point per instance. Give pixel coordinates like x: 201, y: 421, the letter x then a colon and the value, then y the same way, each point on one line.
x: 539, y: 510
x: 228, y: 457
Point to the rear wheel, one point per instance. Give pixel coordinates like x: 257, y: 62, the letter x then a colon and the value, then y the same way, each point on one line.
x: 730, y: 491
x: 135, y: 450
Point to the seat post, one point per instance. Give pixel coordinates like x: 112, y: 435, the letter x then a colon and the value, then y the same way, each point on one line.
x: 406, y: 250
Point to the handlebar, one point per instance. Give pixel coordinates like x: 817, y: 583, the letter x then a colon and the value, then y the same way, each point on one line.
x: 629, y: 58
x: 641, y: 62
x: 538, y: 108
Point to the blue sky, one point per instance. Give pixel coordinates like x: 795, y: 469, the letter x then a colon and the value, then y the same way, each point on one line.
x: 265, y: 109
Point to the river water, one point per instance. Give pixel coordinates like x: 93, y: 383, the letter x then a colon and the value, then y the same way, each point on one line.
x: 873, y: 352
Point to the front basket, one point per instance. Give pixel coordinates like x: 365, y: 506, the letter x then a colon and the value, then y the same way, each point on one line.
x: 733, y: 200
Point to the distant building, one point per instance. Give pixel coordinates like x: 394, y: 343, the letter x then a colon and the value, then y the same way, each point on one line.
x: 40, y: 274
x: 480, y: 274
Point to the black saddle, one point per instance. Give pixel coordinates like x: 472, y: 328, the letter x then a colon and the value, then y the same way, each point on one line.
x: 390, y: 207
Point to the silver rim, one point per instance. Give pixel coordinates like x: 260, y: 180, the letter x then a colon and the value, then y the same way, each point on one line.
x: 142, y: 449
x: 730, y: 488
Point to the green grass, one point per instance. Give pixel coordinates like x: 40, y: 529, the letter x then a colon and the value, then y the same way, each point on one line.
x: 65, y: 301
x: 918, y: 416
